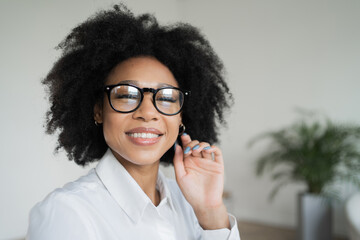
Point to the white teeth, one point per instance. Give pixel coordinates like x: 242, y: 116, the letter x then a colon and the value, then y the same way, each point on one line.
x: 143, y: 135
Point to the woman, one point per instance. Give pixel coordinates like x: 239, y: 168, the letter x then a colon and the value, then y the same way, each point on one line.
x: 121, y: 94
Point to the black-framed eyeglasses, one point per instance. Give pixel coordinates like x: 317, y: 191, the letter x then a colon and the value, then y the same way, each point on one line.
x: 126, y: 98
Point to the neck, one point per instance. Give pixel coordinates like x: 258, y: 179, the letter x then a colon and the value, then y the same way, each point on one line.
x: 145, y: 176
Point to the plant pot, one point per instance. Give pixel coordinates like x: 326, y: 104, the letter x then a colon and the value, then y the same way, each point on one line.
x: 314, y: 217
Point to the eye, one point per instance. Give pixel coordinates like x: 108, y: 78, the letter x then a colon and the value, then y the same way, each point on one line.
x: 125, y: 93
x: 168, y: 95
x: 126, y: 96
x: 166, y: 99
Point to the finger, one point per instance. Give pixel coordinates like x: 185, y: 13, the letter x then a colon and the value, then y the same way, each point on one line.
x: 179, y: 162
x: 217, y: 154
x: 205, y: 153
x: 197, y: 150
x: 185, y: 139
x: 188, y: 144
x: 188, y: 148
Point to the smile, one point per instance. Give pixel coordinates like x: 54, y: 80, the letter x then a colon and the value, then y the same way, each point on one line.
x: 143, y: 135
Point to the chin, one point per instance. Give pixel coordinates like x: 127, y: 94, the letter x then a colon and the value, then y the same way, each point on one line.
x: 139, y: 155
x: 142, y: 158
x: 144, y: 161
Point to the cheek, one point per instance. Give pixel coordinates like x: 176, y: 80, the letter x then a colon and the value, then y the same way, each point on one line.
x: 112, y: 125
x: 174, y: 126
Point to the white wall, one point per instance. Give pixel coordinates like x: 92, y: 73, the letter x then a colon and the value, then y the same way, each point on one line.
x: 279, y: 54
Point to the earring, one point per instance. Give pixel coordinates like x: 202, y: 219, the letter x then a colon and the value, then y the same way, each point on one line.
x: 181, y: 129
x: 97, y: 124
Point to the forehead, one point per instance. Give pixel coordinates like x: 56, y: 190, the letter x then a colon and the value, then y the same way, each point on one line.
x: 143, y: 72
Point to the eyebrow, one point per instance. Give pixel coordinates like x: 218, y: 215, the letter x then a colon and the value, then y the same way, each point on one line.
x: 134, y: 82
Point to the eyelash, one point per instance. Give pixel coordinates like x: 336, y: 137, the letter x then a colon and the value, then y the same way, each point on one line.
x: 172, y: 100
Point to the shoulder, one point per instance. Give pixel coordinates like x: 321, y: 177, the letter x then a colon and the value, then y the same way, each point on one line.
x: 65, y: 208
x: 80, y: 188
x: 76, y: 192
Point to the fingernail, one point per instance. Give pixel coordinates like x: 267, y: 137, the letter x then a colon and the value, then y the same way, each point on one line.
x: 207, y: 148
x: 187, y: 149
x: 184, y: 134
x: 175, y: 146
x: 196, y: 147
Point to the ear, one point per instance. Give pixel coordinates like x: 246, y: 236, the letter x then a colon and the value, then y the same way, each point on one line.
x: 98, y: 113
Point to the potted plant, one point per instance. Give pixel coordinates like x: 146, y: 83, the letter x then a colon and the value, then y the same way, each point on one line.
x: 318, y: 153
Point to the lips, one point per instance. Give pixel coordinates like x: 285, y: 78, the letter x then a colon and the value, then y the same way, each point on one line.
x: 144, y: 136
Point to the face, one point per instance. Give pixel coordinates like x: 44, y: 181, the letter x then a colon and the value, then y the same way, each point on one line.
x: 143, y: 136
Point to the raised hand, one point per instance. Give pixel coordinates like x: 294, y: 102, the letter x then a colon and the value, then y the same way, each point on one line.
x: 199, y: 170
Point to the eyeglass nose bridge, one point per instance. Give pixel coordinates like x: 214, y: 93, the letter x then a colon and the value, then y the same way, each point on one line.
x: 144, y: 90
x: 152, y: 90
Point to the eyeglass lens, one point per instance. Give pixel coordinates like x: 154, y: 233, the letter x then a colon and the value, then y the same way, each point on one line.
x: 127, y: 98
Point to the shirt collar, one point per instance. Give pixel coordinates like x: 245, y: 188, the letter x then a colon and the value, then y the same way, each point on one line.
x: 125, y: 190
x: 163, y: 188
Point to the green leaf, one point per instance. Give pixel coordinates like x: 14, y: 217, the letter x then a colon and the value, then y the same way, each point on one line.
x: 313, y: 150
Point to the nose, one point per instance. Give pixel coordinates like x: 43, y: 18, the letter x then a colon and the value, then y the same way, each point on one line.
x: 146, y: 111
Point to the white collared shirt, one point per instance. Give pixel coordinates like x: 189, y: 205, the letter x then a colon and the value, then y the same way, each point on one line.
x: 108, y: 204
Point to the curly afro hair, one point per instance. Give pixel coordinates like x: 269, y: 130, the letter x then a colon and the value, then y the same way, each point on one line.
x: 93, y: 48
